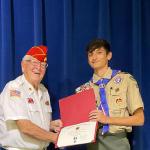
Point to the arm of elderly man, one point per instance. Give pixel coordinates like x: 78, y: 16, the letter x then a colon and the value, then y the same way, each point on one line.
x: 24, y: 115
x: 29, y: 128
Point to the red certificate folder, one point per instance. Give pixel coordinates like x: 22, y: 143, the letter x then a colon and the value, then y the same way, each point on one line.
x: 74, y: 112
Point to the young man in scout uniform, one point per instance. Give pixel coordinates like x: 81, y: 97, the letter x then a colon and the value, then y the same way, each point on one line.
x: 119, y: 103
x: 25, y: 108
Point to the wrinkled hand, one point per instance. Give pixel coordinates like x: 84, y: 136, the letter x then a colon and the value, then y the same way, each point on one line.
x: 56, y: 125
x: 98, y: 115
x: 54, y: 137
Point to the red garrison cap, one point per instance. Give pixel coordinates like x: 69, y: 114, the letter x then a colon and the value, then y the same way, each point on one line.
x: 38, y: 52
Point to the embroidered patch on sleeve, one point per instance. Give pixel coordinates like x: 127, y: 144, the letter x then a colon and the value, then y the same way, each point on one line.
x: 15, y: 93
x: 83, y: 87
x: 118, y: 80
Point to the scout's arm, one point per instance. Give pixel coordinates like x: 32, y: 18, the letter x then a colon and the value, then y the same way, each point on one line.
x: 134, y: 105
x: 137, y: 119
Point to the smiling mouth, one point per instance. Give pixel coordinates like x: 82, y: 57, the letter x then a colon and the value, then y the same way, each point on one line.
x: 36, y: 73
x: 95, y: 62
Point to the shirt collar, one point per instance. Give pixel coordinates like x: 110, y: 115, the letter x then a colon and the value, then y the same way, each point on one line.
x: 107, y: 75
x: 30, y: 88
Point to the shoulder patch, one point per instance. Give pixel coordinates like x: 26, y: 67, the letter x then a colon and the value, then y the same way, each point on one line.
x: 15, y: 93
x: 84, y: 87
x: 117, y: 80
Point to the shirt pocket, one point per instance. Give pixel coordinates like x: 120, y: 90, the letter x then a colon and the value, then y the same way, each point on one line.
x: 48, y: 112
x: 118, y: 104
x: 47, y: 109
x: 48, y: 117
x: 33, y: 107
x: 34, y: 113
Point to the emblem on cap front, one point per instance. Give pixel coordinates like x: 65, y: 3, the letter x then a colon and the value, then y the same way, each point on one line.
x: 45, y: 59
x: 38, y: 52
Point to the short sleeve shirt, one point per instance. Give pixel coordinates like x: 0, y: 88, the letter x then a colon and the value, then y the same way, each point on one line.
x: 18, y: 101
x: 123, y: 96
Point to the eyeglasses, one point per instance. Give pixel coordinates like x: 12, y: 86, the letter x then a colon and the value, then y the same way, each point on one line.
x: 35, y: 63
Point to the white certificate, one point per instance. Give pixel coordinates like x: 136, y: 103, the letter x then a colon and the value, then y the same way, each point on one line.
x: 77, y: 134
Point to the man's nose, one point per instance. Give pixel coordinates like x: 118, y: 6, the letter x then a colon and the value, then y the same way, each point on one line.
x: 38, y: 66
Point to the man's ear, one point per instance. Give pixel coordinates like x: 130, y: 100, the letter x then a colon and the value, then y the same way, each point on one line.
x: 109, y: 55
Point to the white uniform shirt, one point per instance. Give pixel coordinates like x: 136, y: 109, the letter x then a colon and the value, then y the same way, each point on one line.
x: 19, y: 100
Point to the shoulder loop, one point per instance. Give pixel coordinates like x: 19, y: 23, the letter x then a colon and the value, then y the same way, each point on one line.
x: 114, y: 73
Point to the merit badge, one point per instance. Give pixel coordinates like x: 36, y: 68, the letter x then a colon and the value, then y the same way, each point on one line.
x: 30, y: 101
x: 15, y: 93
x: 118, y: 100
x: 47, y: 103
x: 117, y: 80
x: 117, y: 89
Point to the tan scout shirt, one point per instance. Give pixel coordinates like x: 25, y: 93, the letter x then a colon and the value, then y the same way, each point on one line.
x: 122, y: 93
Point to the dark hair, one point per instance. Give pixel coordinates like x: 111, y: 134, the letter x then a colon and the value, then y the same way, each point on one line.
x: 98, y: 43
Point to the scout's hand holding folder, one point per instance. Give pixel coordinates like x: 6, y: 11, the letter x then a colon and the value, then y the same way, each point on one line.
x: 74, y: 111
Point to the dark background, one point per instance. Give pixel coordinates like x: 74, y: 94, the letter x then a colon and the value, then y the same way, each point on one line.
x: 66, y: 26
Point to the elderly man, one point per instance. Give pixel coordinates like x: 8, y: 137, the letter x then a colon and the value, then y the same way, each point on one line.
x: 25, y: 109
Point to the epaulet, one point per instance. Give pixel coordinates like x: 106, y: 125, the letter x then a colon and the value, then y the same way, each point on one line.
x: 123, y: 72
x: 131, y: 77
x: 83, y: 87
x: 43, y: 87
x: 15, y: 83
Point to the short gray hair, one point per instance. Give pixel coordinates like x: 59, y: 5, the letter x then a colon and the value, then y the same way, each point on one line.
x: 27, y: 57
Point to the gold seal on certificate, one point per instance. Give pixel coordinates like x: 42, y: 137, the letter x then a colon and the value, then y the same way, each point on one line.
x: 74, y: 111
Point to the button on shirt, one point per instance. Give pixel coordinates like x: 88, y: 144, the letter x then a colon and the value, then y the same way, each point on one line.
x: 19, y: 100
x: 123, y: 96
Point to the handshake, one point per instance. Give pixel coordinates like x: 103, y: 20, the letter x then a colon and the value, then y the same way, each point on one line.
x: 55, y: 127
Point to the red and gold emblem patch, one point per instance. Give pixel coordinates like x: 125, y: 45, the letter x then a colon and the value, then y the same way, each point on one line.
x: 47, y: 103
x: 30, y: 101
